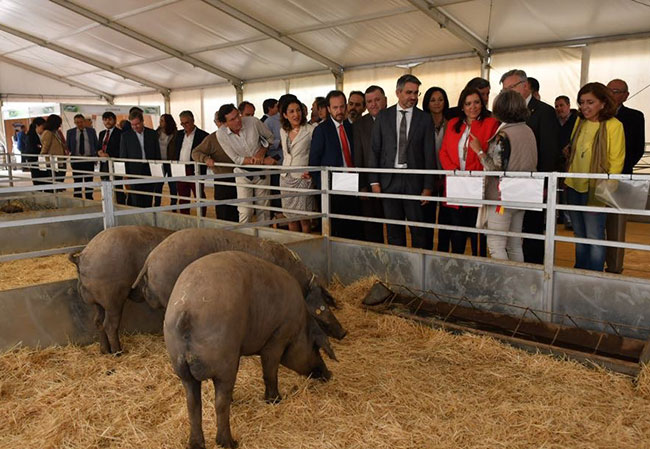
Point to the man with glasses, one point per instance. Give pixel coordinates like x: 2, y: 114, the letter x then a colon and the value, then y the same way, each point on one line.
x: 402, y: 138
x: 546, y: 128
x: 186, y: 140
x: 634, y: 127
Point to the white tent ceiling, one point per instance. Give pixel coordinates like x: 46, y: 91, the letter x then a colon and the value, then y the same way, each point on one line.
x: 97, y: 47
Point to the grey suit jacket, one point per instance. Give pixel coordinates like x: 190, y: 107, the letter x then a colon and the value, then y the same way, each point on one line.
x: 420, y: 148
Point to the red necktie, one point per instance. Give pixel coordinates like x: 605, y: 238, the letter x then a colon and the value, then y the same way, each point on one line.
x: 345, y: 146
x: 106, y: 137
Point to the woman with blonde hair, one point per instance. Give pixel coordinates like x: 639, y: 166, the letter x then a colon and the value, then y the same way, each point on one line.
x: 597, y: 146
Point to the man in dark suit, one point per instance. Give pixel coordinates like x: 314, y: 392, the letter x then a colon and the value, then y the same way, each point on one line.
x: 634, y: 127
x: 186, y: 140
x: 332, y: 145
x: 139, y: 143
x: 109, y: 146
x: 82, y: 141
x: 546, y: 128
x: 370, y: 207
x: 402, y: 138
x: 270, y: 107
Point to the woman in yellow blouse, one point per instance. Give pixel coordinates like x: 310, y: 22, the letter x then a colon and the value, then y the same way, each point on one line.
x: 597, y: 146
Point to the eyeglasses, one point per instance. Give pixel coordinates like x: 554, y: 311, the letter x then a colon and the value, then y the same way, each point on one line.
x: 513, y: 86
x: 618, y: 91
x: 413, y: 92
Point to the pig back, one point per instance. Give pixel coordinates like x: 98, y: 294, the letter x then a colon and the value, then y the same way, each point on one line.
x: 117, y: 254
x: 258, y: 300
x: 166, y: 262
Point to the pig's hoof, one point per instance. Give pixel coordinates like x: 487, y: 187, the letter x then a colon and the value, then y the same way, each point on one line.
x: 272, y: 399
x: 228, y: 443
x: 195, y: 445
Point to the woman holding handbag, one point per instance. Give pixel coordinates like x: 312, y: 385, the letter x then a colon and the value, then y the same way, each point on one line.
x: 512, y: 148
x: 456, y: 155
x: 597, y: 146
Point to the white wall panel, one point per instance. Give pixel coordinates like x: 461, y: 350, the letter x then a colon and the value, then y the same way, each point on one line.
x: 213, y: 99
x: 385, y: 77
x: 629, y: 61
x: 256, y: 93
x: 451, y: 75
x: 556, y: 69
x: 187, y: 100
x: 308, y: 88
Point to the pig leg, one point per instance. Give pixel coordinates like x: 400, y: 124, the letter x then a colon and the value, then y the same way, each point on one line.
x: 271, y: 356
x: 222, y: 399
x: 111, y: 326
x: 99, y: 323
x: 193, y: 396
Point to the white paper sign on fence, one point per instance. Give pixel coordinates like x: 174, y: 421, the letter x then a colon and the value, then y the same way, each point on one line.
x: 119, y: 168
x: 178, y: 170
x: 523, y: 190
x: 348, y: 182
x: 156, y: 169
x: 42, y: 162
x: 468, y: 187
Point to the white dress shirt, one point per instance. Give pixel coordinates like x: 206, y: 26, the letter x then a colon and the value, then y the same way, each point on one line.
x: 186, y: 148
x: 141, y: 140
x: 408, y: 116
x: 247, y: 142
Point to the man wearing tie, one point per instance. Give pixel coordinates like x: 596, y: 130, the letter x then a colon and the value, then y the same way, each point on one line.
x: 139, y: 143
x: 331, y: 145
x: 82, y: 141
x: 402, y: 138
x: 110, y: 147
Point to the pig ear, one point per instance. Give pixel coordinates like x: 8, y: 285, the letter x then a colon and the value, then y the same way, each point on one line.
x: 324, y: 343
x: 320, y: 339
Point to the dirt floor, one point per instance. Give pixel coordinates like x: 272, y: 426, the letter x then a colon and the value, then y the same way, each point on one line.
x: 397, y: 385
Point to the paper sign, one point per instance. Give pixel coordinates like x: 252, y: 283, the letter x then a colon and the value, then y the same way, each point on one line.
x: 156, y: 169
x: 119, y: 168
x: 348, y: 182
x: 523, y: 190
x: 468, y: 187
x: 178, y: 170
x: 42, y: 162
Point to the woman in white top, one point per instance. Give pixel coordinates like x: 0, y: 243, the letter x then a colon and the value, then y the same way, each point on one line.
x: 295, y: 136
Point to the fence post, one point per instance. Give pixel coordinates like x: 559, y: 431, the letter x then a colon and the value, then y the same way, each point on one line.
x: 107, y: 204
x: 549, y: 243
x: 197, y: 187
x: 325, y: 203
x: 10, y: 169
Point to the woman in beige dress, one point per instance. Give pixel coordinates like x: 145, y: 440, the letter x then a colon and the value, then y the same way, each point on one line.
x: 295, y: 136
x: 52, y: 144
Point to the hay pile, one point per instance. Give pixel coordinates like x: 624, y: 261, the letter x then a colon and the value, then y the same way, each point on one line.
x: 39, y: 270
x: 398, y: 386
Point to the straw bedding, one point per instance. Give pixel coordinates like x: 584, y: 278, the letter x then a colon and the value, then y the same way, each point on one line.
x: 397, y: 385
x: 40, y: 270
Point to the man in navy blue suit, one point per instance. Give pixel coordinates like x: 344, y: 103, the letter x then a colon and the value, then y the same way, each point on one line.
x: 82, y: 141
x: 332, y: 146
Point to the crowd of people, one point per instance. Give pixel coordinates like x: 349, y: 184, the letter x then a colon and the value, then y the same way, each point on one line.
x: 520, y: 134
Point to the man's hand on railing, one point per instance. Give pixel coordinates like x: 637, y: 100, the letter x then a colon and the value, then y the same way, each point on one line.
x: 268, y: 160
x: 425, y: 192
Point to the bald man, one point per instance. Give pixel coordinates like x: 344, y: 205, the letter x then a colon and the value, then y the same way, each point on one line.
x: 634, y: 128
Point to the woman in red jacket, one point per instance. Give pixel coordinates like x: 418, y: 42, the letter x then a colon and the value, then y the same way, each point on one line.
x: 454, y: 155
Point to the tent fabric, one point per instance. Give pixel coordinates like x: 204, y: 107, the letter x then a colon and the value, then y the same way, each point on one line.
x: 348, y: 33
x: 278, y: 45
